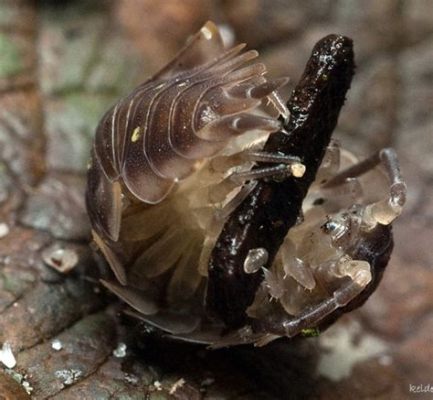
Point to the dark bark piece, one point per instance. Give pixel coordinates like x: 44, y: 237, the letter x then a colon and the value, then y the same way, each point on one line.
x: 264, y: 218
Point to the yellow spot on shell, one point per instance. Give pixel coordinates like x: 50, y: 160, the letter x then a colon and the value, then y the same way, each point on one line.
x: 135, y: 134
x: 209, y: 30
x: 206, y: 32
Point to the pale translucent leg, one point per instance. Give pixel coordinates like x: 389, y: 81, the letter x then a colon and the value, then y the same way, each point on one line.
x: 231, y: 205
x: 250, y: 155
x: 264, y: 156
x: 279, y: 171
x: 348, y: 191
x: 344, y: 267
x: 389, y: 208
x: 312, y: 316
x: 219, y: 192
x: 340, y: 298
x: 206, y: 251
x: 330, y: 163
x: 113, y: 260
x: 280, y: 105
x: 285, y: 166
x: 164, y: 253
x: 295, y: 267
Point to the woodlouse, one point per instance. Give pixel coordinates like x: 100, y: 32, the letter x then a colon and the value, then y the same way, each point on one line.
x: 228, y: 217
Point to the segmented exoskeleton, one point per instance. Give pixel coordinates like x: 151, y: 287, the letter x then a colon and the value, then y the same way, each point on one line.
x: 219, y: 231
x: 154, y: 137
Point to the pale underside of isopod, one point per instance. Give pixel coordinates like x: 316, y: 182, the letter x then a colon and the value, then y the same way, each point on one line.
x: 173, y: 159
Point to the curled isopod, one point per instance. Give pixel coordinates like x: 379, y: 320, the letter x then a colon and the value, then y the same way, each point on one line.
x: 228, y: 217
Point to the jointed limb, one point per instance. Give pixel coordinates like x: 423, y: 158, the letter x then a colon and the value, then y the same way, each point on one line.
x: 386, y: 210
x: 312, y: 316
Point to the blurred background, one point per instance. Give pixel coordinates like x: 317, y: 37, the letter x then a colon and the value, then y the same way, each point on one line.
x: 62, y: 63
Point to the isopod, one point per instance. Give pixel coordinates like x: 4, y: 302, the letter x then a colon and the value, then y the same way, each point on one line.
x: 228, y: 217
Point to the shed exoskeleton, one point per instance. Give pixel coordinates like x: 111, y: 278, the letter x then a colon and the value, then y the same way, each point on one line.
x: 228, y: 217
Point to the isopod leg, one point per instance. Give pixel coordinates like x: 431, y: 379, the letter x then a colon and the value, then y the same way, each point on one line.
x: 277, y: 171
x: 252, y: 154
x: 295, y: 267
x: 264, y: 156
x: 228, y: 208
x: 386, y: 210
x: 330, y: 163
x: 312, y: 316
x: 115, y: 264
x: 284, y: 166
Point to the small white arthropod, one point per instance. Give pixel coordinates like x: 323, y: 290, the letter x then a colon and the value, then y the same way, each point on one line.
x: 228, y: 217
